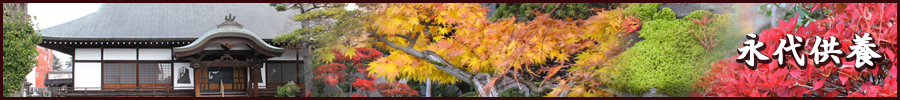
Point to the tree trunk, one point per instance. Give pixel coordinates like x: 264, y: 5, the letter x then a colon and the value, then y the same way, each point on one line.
x: 307, y: 63
x: 308, y: 71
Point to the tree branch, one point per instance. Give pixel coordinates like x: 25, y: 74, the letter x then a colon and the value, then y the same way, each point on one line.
x: 451, y: 69
x: 555, y: 8
x: 403, y: 36
x: 779, y: 6
x: 304, y: 10
x: 409, y: 51
x: 435, y: 59
x: 412, y: 40
x: 534, y: 88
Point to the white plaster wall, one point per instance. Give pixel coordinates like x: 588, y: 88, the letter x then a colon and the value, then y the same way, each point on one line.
x: 30, y: 78
x: 60, y: 76
x: 87, y: 75
x: 119, y: 54
x: 155, y: 54
x: 218, y: 46
x: 214, y: 46
x: 87, y: 54
x: 177, y: 67
x: 287, y: 55
x: 241, y: 46
x: 262, y: 72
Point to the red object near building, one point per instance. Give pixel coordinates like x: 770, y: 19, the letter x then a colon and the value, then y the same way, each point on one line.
x: 44, y: 65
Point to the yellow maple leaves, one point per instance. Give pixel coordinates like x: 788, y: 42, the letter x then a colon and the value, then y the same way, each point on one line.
x: 405, y: 66
x: 481, y: 46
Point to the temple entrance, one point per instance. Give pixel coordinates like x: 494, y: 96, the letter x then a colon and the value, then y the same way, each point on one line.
x: 227, y: 59
x: 223, y: 79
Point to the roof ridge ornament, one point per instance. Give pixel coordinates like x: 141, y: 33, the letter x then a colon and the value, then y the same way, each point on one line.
x: 229, y: 18
x: 230, y: 23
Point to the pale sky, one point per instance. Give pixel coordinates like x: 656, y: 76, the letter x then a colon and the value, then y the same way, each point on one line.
x: 52, y: 14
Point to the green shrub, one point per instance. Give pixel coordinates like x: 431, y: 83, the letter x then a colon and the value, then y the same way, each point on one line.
x: 346, y: 87
x: 644, y: 11
x: 444, y: 90
x: 670, y: 58
x: 570, y: 10
x: 19, y: 52
x: 725, y: 29
x: 469, y: 94
x: 511, y: 92
x: 289, y: 89
x: 319, y: 86
x: 699, y: 15
x: 664, y: 14
x: 437, y: 90
x: 329, y: 95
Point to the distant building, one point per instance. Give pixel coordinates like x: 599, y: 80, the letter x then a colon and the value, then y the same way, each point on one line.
x: 177, y: 49
x: 44, y: 64
x: 60, y: 74
x: 59, y: 78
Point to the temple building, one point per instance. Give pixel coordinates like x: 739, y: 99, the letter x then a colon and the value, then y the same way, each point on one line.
x: 174, y: 49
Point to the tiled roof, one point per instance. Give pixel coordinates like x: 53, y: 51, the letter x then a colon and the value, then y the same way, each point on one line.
x: 164, y: 21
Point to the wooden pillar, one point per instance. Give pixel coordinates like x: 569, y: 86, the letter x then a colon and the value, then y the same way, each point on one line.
x: 250, y: 81
x: 249, y: 87
x: 196, y: 82
x: 255, y: 84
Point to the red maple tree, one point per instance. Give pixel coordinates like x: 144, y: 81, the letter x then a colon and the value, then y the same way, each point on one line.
x: 727, y: 78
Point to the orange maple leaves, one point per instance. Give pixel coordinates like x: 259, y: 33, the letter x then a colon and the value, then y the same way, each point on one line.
x: 463, y: 35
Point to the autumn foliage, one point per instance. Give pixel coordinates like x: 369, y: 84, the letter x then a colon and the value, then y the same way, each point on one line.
x: 396, y: 89
x: 463, y: 36
x: 331, y: 73
x: 728, y: 78
x: 364, y: 84
x: 345, y: 64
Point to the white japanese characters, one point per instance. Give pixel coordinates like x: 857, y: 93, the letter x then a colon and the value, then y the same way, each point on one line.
x: 795, y: 43
x: 863, y: 51
x: 749, y: 53
x: 824, y: 51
